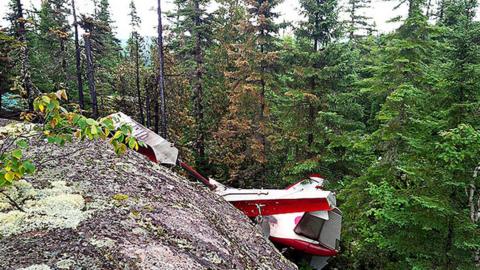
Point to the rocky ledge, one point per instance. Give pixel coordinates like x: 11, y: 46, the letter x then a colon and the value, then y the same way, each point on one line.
x: 87, y: 208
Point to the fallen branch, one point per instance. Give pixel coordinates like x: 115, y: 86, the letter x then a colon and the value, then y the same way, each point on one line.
x: 12, y: 201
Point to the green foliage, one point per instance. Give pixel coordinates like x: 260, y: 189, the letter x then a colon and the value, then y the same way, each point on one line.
x: 13, y: 166
x: 60, y: 126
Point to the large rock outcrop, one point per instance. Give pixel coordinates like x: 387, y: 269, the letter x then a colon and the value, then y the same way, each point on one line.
x: 86, y: 208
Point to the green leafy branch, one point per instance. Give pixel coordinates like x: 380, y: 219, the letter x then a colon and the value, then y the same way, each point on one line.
x: 59, y: 126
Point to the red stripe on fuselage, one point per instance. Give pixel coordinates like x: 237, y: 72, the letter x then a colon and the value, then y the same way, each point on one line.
x: 148, y: 152
x: 281, y: 206
x: 303, y: 246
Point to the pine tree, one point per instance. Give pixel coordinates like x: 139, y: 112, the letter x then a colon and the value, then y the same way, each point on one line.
x: 78, y: 58
x: 161, y: 77
x: 135, y: 39
x: 357, y: 20
x: 319, y: 109
x: 18, y: 22
x: 53, y: 43
x: 93, y: 41
x: 241, y: 136
x: 409, y: 203
x: 264, y: 29
x: 461, y: 94
x: 7, y: 47
x: 107, y: 50
x: 192, y: 38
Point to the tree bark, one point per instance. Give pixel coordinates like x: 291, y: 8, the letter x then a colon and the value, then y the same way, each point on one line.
x: 25, y: 63
x: 147, y: 103
x: 199, y: 144
x: 77, y: 59
x: 90, y: 74
x: 63, y: 50
x: 123, y: 92
x: 474, y: 205
x: 161, y: 77
x: 156, y: 109
x: 137, y: 80
x: 352, y: 21
x: 311, y: 106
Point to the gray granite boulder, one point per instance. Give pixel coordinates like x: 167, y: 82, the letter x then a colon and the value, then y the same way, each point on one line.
x: 86, y: 208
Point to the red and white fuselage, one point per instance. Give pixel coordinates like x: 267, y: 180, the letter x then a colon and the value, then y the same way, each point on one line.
x: 303, y: 217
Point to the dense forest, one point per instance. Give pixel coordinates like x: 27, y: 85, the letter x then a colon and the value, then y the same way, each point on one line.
x: 391, y: 120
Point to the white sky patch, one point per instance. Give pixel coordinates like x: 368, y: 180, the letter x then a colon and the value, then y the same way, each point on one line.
x: 380, y: 11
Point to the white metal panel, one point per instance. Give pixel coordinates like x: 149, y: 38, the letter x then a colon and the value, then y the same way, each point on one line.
x: 165, y: 152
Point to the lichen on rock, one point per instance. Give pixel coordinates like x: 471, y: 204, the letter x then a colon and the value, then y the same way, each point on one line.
x: 49, y: 208
x: 36, y: 267
x: 157, y: 220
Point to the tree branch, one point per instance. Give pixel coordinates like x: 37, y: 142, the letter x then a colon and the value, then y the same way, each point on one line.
x: 12, y: 201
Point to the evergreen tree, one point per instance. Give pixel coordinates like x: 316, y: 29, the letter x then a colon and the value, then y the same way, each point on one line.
x: 93, y: 42
x: 18, y: 23
x: 319, y: 109
x: 462, y: 96
x: 54, y: 34
x: 357, y: 20
x: 243, y: 130
x: 78, y: 63
x: 107, y: 50
x: 161, y: 78
x: 407, y: 202
x: 7, y: 47
x: 262, y: 25
x: 134, y: 44
x: 193, y: 36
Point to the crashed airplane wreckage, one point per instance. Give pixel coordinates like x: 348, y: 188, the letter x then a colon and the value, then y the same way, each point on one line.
x: 303, y: 217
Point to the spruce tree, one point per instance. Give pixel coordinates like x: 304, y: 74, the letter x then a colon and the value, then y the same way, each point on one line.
x: 54, y: 39
x: 94, y: 45
x: 7, y: 47
x: 410, y: 203
x: 135, y: 50
x: 264, y: 29
x: 161, y: 78
x: 78, y: 63
x: 18, y: 21
x: 106, y: 50
x: 193, y: 36
x: 358, y: 23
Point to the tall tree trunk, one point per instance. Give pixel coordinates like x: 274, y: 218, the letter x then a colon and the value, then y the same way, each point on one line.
x: 147, y: 103
x: 25, y: 63
x: 161, y: 76
x: 474, y: 205
x: 261, y: 115
x: 123, y: 91
x: 429, y: 6
x: 351, y: 33
x: 77, y: 59
x: 90, y: 74
x: 156, y: 111
x: 63, y: 50
x: 311, y: 106
x: 137, y: 80
x: 414, y: 7
x: 199, y: 143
